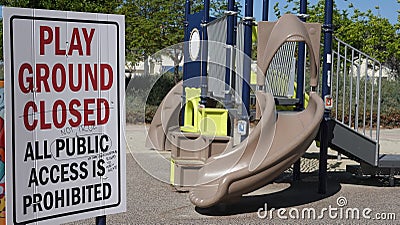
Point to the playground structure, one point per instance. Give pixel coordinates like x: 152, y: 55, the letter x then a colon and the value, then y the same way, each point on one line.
x: 203, y: 154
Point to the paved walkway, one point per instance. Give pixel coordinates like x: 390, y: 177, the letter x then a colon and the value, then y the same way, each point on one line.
x: 150, y: 199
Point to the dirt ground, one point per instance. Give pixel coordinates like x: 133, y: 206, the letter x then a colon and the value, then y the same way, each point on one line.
x: 151, y: 199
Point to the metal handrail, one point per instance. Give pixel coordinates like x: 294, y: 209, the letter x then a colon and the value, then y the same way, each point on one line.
x: 349, y: 61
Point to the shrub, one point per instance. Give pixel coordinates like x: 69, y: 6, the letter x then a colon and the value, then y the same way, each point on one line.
x: 142, y: 103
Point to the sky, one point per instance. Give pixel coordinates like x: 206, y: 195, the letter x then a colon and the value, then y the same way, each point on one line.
x: 387, y: 8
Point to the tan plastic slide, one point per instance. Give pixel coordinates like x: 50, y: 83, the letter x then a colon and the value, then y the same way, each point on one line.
x: 274, y: 145
x: 166, y: 117
x: 279, y: 139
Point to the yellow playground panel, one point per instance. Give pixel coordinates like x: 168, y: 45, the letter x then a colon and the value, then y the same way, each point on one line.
x: 191, y: 118
x: 207, y: 121
x: 214, y: 121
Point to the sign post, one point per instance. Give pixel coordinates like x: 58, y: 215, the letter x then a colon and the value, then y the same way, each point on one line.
x: 64, y: 90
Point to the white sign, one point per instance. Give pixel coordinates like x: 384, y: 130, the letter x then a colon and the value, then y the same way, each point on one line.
x: 242, y: 127
x: 64, y: 86
x: 328, y: 102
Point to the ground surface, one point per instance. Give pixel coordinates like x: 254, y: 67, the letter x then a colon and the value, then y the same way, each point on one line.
x: 150, y: 199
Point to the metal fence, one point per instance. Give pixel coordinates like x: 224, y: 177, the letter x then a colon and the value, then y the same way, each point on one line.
x: 281, y: 72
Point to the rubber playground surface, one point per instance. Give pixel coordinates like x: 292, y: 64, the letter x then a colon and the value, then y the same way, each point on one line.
x: 349, y: 199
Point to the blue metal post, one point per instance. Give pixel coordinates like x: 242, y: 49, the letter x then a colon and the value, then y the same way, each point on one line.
x: 185, y: 53
x: 265, y: 10
x: 300, y: 82
x: 187, y: 9
x: 206, y: 11
x: 204, y: 53
x: 186, y: 34
x: 326, y: 76
x: 301, y: 61
x: 186, y: 38
x: 235, y: 23
x: 101, y: 220
x: 229, y: 43
x: 248, y: 17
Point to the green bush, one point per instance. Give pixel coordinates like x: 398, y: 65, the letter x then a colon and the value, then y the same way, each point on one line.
x: 142, y: 103
x: 390, y: 101
x: 390, y: 104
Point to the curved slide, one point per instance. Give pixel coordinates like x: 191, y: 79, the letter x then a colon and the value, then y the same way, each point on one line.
x: 167, y: 116
x: 278, y: 140
x: 274, y: 145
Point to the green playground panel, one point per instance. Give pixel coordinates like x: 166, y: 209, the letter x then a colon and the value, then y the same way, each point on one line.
x: 208, y: 121
x: 191, y: 119
x: 214, y: 121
